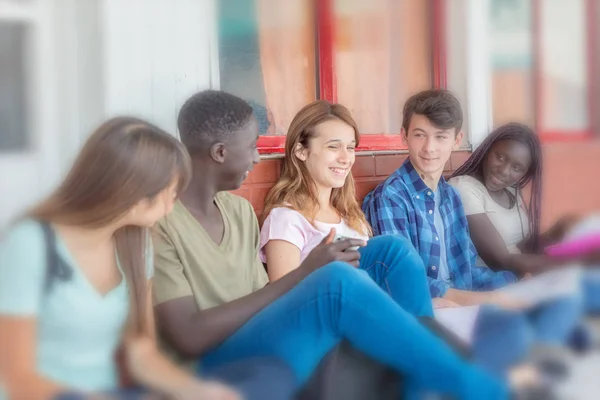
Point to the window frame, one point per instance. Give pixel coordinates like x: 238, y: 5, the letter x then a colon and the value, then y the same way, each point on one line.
x: 560, y: 136
x: 273, y: 145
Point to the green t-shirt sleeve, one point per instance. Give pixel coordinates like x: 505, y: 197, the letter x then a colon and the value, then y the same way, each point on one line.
x: 22, y: 269
x: 169, y: 281
x: 259, y: 278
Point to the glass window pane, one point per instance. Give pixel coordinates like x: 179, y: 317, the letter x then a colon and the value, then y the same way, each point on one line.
x: 267, y: 57
x: 564, y: 103
x: 512, y: 61
x: 13, y: 112
x: 561, y: 99
x: 382, y: 56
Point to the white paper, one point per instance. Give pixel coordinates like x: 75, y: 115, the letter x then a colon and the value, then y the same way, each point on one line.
x: 460, y: 320
x: 533, y: 291
x: 547, y: 286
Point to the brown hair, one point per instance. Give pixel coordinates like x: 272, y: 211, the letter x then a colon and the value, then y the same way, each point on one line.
x: 124, y: 161
x: 295, y: 188
x: 439, y: 106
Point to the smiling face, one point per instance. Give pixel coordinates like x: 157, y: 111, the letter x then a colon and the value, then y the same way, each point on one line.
x: 505, y: 164
x: 329, y: 155
x: 430, y: 147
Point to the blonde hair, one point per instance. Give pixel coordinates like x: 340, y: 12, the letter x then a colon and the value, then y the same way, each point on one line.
x: 295, y: 188
x: 124, y: 161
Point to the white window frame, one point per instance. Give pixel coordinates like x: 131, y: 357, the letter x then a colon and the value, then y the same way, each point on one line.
x: 469, y: 67
x: 36, y: 167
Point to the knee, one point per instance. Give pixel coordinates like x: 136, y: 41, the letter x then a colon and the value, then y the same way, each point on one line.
x: 391, y: 241
x: 338, y: 271
x: 397, y: 246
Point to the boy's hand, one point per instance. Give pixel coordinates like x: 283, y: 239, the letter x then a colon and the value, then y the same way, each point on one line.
x: 327, y: 252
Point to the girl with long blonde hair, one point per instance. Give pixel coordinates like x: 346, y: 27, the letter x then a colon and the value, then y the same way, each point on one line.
x: 315, y: 195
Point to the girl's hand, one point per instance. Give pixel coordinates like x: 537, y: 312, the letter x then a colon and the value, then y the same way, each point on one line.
x: 206, y: 390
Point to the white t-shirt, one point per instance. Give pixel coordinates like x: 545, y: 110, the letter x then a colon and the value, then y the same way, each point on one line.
x: 512, y: 224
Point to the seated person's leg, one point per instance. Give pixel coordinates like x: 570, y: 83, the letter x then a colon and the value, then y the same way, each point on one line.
x: 339, y: 302
x: 591, y: 290
x: 501, y: 339
x: 257, y: 378
x: 554, y: 322
x: 397, y: 268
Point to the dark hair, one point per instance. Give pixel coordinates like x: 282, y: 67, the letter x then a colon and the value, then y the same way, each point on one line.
x: 210, y: 116
x: 440, y: 107
x: 523, y: 134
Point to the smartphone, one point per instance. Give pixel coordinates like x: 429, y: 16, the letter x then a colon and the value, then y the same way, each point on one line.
x: 339, y: 238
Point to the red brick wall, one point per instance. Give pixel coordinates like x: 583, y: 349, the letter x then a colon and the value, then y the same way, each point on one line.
x: 368, y: 172
x: 571, y: 177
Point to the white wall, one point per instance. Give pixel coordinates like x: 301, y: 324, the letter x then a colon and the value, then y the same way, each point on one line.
x: 156, y: 54
x: 27, y: 174
x: 468, y: 65
x: 93, y: 59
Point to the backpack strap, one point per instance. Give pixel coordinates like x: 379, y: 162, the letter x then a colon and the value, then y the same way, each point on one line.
x: 56, y: 268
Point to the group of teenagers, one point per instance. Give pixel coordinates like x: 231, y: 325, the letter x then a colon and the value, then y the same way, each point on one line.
x: 142, y: 251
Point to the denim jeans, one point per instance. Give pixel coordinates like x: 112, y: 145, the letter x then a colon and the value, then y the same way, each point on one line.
x: 502, y: 338
x: 341, y: 302
x: 591, y: 291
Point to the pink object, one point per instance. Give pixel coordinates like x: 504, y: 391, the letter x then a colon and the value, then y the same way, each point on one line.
x: 575, y: 247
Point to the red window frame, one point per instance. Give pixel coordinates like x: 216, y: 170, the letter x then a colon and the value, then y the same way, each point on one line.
x: 553, y: 136
x: 327, y: 77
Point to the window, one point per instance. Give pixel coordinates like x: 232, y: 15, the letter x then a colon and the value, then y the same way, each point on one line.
x: 369, y: 56
x: 542, y: 65
x: 267, y: 57
x: 382, y: 56
x: 13, y: 104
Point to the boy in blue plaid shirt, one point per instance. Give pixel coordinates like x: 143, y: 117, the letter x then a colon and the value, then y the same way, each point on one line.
x: 416, y: 202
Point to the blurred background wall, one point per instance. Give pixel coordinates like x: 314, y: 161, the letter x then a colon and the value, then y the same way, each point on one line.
x: 65, y: 65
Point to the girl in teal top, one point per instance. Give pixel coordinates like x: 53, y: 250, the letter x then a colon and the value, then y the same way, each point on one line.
x: 61, y: 321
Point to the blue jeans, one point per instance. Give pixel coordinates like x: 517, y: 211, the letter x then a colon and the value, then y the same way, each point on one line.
x: 341, y: 302
x: 503, y: 338
x: 254, y: 379
x: 591, y: 291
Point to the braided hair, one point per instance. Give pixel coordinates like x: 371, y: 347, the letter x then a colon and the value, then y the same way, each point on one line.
x: 523, y: 134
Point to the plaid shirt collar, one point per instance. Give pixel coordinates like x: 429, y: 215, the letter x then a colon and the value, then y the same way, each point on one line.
x: 411, y: 178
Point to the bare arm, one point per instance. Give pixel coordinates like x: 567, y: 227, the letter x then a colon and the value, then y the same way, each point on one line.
x: 553, y: 235
x: 282, y: 258
x: 467, y: 298
x: 192, y: 332
x: 18, y: 338
x: 493, y: 251
x: 154, y: 371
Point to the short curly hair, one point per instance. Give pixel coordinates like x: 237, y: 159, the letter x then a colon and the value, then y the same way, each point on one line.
x: 211, y: 116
